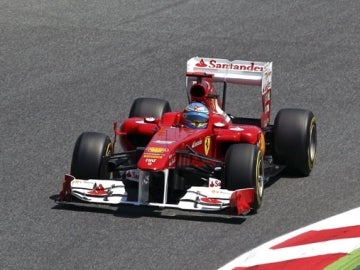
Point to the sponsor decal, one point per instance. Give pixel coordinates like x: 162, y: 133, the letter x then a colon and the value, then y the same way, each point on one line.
x: 150, y: 161
x: 210, y: 201
x: 76, y: 181
x: 156, y: 156
x: 98, y: 190
x: 157, y: 150
x: 163, y: 142
x: 196, y: 143
x: 201, y: 63
x: 207, y: 145
x: 217, y: 65
x: 214, y: 183
x: 220, y: 191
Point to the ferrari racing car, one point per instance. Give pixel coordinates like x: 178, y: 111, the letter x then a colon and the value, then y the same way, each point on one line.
x: 201, y: 158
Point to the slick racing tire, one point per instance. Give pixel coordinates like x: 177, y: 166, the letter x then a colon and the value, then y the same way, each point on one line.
x: 89, y: 159
x: 295, y: 140
x: 149, y: 107
x: 244, y: 169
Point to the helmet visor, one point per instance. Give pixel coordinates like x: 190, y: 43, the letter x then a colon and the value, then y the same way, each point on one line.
x: 196, y: 119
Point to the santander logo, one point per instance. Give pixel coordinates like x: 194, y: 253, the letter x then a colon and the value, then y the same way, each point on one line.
x: 201, y: 63
x: 229, y: 65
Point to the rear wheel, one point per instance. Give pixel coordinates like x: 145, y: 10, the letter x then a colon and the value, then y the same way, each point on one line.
x: 146, y: 107
x: 89, y: 160
x: 149, y: 107
x: 295, y: 139
x: 244, y: 169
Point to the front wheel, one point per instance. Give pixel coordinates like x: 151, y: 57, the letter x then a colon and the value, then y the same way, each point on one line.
x: 244, y: 169
x: 89, y: 159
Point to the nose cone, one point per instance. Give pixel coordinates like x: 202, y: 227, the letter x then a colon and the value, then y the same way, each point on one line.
x: 160, y: 153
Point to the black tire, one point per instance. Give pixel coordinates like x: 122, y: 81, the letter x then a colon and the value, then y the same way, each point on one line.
x: 295, y: 140
x: 149, y: 107
x: 244, y: 169
x: 89, y: 156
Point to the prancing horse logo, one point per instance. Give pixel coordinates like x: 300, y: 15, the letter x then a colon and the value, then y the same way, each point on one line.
x: 207, y: 145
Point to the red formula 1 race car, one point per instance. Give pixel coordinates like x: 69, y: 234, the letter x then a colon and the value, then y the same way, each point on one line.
x: 200, y: 158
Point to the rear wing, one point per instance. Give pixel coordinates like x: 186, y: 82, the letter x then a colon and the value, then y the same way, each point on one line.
x: 237, y: 72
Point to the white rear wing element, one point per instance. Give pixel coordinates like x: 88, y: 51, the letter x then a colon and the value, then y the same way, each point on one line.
x: 237, y: 71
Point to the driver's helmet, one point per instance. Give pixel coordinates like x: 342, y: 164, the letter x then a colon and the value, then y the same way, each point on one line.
x: 196, y: 115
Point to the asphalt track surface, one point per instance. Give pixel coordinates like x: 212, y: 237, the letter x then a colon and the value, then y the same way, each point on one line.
x: 73, y: 66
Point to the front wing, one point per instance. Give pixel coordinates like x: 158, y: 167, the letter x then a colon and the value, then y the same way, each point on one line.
x: 196, y: 198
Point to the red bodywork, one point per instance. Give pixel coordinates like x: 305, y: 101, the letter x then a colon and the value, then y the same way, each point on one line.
x: 167, y: 135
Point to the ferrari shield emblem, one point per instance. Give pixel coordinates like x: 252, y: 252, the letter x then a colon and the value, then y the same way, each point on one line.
x: 207, y: 145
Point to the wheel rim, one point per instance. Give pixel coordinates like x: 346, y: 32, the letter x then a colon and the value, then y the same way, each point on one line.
x: 260, y: 176
x: 312, y: 142
x: 108, y: 150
